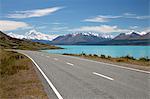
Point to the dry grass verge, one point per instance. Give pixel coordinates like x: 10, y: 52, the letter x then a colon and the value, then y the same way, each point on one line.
x: 127, y: 61
x: 18, y: 78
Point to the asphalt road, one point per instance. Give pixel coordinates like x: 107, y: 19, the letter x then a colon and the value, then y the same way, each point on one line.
x: 75, y: 78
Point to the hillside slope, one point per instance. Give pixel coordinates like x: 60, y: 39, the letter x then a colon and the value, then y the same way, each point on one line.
x: 13, y: 43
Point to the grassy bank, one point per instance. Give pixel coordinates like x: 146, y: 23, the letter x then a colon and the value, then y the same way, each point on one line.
x: 7, y: 42
x: 18, y: 79
x: 129, y: 61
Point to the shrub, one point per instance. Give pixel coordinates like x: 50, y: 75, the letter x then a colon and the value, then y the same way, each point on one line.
x: 65, y: 54
x: 108, y: 56
x: 119, y: 60
x: 144, y: 59
x: 83, y: 54
x: 95, y: 55
x: 90, y: 55
x: 129, y: 57
x: 103, y: 56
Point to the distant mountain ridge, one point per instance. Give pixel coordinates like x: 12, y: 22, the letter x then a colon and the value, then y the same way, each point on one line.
x: 90, y: 38
x: 132, y: 36
x: 79, y: 38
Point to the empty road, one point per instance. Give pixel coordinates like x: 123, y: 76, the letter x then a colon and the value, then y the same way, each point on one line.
x: 75, y: 78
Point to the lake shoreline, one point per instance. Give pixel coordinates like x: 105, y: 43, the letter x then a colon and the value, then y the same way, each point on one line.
x: 95, y: 45
x: 114, y: 51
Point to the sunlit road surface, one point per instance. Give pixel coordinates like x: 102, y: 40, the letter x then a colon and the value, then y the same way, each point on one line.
x: 75, y: 78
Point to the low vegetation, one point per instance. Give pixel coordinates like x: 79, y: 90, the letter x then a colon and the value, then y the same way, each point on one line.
x: 18, y: 79
x: 141, y: 62
x: 12, y: 62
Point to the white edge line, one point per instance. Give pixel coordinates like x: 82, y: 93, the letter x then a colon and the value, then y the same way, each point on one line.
x: 44, y: 75
x: 69, y: 64
x: 109, y: 78
x: 133, y: 69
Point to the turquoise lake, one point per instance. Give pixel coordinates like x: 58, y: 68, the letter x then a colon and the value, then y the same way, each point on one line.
x: 114, y: 51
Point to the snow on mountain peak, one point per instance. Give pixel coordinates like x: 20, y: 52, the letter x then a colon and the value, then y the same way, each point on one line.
x: 103, y: 35
x: 16, y: 35
x: 33, y: 34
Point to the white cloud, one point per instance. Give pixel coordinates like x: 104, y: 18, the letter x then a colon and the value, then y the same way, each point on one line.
x: 101, y: 28
x: 146, y: 30
x: 140, y: 17
x: 134, y: 16
x: 133, y: 27
x: 6, y: 25
x: 34, y: 13
x: 129, y: 14
x: 56, y: 23
x: 107, y: 18
x: 101, y: 18
x: 41, y: 27
x: 59, y: 28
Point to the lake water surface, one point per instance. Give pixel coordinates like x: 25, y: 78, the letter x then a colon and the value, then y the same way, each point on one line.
x: 114, y: 51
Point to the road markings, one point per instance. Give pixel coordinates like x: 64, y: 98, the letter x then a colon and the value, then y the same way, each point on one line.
x: 56, y: 59
x: 109, y: 78
x: 123, y: 67
x: 47, y: 56
x: 44, y: 75
x: 69, y: 64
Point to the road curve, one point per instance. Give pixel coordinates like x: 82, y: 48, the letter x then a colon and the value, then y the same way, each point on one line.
x: 75, y: 78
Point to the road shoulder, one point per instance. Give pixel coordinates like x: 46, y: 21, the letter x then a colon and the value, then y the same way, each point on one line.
x: 22, y: 81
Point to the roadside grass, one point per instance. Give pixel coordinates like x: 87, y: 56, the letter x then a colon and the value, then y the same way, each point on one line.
x: 12, y: 62
x: 143, y: 61
x: 28, y: 45
x: 18, y: 79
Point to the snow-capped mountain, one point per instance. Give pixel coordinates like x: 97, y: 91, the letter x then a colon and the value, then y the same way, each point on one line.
x: 103, y: 35
x: 33, y: 34
x: 16, y: 35
x: 79, y: 38
x: 124, y: 36
x: 132, y: 36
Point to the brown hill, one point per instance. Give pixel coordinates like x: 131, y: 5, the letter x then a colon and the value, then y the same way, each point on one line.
x: 8, y: 42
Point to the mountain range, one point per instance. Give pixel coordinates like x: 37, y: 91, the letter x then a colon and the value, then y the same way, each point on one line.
x: 88, y: 38
x: 132, y: 36
x: 92, y: 39
x: 79, y: 38
x: 34, y: 35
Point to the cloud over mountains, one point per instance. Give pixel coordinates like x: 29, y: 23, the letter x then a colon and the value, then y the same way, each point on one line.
x: 33, y: 13
x: 6, y: 25
x: 107, y: 18
x: 101, y: 29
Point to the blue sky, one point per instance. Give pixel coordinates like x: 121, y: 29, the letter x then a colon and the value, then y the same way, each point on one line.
x: 68, y: 16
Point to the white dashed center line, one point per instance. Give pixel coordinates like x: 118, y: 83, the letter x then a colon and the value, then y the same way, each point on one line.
x: 109, y: 78
x: 69, y: 64
x: 56, y: 59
